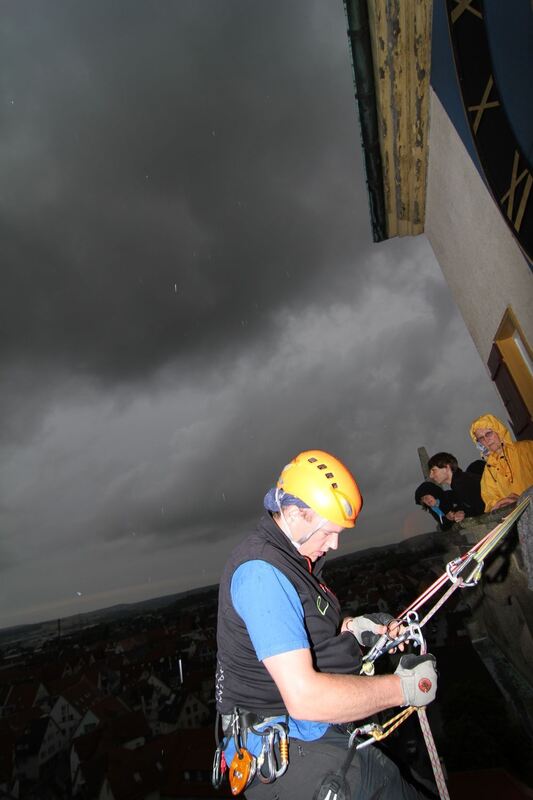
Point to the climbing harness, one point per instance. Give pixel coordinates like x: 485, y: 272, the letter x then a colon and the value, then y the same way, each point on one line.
x: 462, y: 572
x: 244, y: 766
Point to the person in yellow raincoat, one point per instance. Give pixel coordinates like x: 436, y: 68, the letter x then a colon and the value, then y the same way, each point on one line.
x: 509, y: 465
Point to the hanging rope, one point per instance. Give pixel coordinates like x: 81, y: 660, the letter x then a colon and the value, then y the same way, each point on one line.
x: 433, y: 755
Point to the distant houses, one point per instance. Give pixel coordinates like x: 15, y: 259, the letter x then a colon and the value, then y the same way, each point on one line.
x: 112, y: 718
x: 124, y: 710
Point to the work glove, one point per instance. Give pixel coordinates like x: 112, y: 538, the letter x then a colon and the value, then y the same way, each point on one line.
x: 419, y: 679
x: 365, y: 628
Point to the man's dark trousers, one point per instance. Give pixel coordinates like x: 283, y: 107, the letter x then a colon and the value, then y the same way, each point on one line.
x: 370, y: 776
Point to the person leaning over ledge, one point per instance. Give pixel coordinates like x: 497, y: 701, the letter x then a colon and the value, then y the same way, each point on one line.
x: 287, y: 657
x: 509, y: 465
x: 433, y: 499
x: 465, y: 489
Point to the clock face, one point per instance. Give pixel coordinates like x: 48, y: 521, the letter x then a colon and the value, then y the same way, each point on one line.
x: 504, y: 159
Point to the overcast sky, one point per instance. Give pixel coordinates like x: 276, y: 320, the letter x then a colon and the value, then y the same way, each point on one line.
x: 190, y: 296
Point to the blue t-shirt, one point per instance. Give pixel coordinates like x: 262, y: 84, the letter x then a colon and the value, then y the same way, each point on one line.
x: 273, y: 614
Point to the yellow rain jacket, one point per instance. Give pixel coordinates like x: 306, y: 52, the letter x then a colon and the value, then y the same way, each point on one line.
x: 510, y: 470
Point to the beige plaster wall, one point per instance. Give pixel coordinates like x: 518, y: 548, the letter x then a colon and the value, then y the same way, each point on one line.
x: 481, y: 261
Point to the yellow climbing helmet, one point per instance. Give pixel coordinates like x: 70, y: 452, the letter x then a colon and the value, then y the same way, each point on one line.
x: 324, y: 483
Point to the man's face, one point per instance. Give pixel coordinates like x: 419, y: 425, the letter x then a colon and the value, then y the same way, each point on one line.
x: 488, y: 438
x: 428, y: 500
x: 441, y: 474
x: 324, y: 539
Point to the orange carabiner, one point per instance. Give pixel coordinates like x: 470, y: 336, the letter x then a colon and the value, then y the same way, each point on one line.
x: 241, y: 771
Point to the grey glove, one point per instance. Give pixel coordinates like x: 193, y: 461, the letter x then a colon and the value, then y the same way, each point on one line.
x: 419, y: 679
x: 365, y: 628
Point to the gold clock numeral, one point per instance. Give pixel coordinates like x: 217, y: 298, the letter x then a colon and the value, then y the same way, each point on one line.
x: 482, y: 107
x: 516, y: 179
x: 462, y: 6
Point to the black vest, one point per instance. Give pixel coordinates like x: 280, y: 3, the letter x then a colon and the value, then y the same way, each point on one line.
x: 241, y: 679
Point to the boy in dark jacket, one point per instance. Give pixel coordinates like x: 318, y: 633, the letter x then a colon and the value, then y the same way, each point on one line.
x: 465, y: 486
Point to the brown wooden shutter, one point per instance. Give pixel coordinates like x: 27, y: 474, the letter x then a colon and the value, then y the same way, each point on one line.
x: 516, y: 408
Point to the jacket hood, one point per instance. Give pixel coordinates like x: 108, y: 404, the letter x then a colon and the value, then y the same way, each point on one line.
x: 428, y: 488
x: 488, y: 421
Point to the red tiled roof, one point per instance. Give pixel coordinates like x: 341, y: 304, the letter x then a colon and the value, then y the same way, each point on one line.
x: 82, y: 696
x: 14, y: 674
x: 86, y: 746
x: 132, y: 725
x: 117, y: 732
x: 15, y: 723
x: 23, y: 695
x: 108, y: 708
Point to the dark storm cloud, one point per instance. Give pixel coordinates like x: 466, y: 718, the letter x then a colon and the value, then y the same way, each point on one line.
x: 335, y: 379
x: 190, y: 295
x: 174, y: 173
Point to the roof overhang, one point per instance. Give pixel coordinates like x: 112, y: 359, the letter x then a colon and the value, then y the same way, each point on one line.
x: 390, y: 42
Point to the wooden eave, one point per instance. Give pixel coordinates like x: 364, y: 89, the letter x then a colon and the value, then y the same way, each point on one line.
x: 390, y: 43
x: 400, y: 32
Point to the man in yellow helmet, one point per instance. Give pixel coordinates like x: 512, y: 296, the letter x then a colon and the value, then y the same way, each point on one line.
x: 289, y: 662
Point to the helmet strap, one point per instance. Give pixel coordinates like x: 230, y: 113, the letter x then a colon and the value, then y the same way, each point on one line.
x: 286, y: 528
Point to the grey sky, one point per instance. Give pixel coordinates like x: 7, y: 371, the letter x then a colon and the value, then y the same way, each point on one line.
x: 190, y: 296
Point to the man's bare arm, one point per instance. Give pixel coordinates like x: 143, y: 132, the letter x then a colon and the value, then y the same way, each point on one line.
x: 323, y: 697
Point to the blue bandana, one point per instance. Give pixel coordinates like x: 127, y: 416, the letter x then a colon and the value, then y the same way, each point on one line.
x: 285, y: 499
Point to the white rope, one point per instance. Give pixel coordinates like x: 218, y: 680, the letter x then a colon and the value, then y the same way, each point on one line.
x: 433, y: 755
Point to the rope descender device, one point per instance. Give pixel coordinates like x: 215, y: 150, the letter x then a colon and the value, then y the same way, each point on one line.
x: 241, y: 771
x: 411, y: 633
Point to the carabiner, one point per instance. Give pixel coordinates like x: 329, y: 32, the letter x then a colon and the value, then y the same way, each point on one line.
x: 283, y: 740
x: 267, y: 757
x: 374, y: 653
x: 219, y: 767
